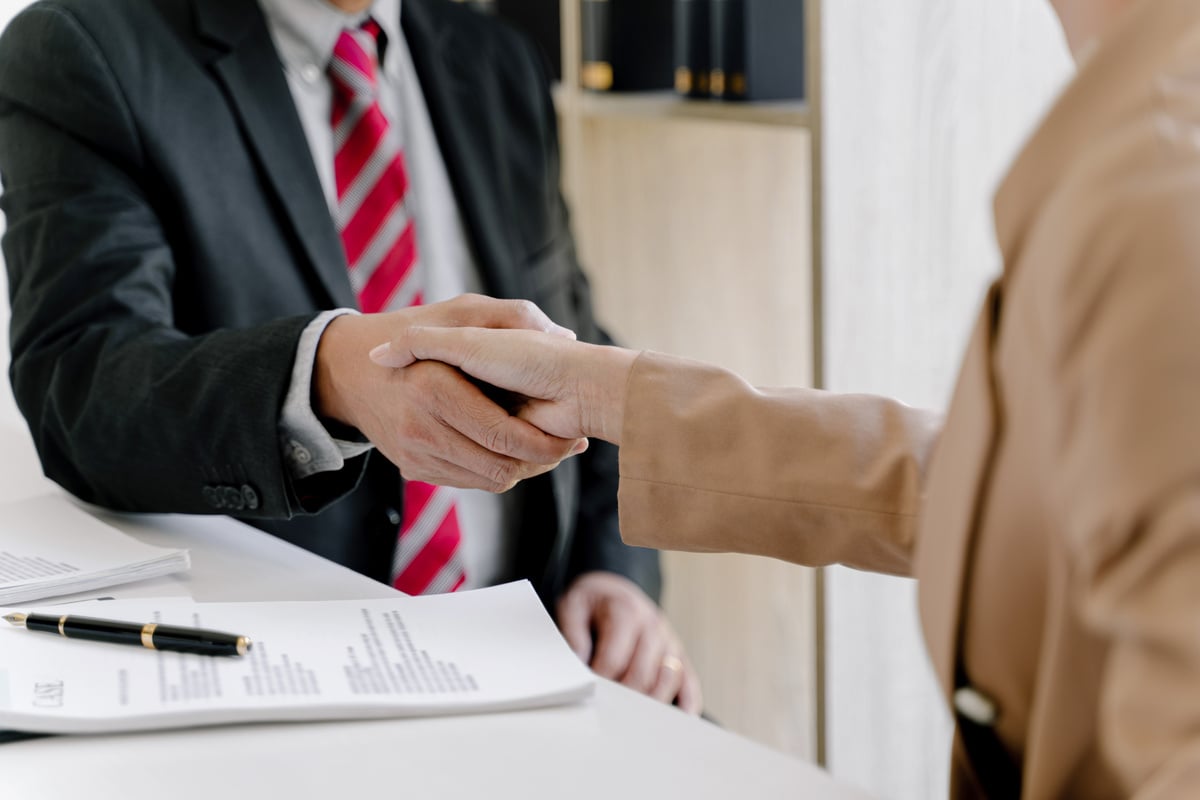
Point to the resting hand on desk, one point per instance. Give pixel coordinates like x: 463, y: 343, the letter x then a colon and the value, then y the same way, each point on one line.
x: 617, y: 630
x: 575, y: 390
x: 427, y: 418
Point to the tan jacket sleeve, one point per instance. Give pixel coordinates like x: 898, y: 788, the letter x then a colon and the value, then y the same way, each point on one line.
x: 1124, y: 362
x: 710, y: 463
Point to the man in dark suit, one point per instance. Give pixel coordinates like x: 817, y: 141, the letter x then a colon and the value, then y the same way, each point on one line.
x: 181, y: 237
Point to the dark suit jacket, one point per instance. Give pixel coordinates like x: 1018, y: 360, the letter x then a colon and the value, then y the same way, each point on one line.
x: 168, y: 241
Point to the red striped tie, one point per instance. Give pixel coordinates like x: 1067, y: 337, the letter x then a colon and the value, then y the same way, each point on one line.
x: 380, y: 241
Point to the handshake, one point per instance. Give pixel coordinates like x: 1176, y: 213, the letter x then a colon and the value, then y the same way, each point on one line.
x: 416, y: 383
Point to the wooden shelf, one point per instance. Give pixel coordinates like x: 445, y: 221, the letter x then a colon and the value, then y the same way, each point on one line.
x: 668, y: 105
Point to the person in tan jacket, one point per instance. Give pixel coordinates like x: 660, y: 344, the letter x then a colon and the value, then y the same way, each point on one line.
x: 1052, y: 518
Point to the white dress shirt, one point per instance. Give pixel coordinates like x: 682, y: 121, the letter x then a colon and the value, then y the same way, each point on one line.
x: 304, y: 33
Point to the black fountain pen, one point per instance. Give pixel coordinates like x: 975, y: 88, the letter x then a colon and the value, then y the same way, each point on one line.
x: 151, y: 635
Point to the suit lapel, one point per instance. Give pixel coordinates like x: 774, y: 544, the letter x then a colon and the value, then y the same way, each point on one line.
x: 245, y: 63
x: 958, y: 480
x: 450, y: 70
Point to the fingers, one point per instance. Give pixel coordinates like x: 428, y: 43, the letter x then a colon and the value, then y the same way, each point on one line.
x: 482, y: 421
x: 466, y: 311
x: 668, y: 679
x: 440, y: 472
x: 453, y: 435
x: 513, y: 360
x: 655, y: 665
x: 689, y: 697
x: 535, y: 367
x: 645, y: 667
x: 634, y: 643
x: 479, y: 311
x: 555, y: 418
x: 575, y: 622
x: 395, y: 354
x: 458, y: 346
x: 616, y: 641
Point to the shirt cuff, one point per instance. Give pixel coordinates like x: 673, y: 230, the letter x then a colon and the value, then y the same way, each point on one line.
x: 308, y: 447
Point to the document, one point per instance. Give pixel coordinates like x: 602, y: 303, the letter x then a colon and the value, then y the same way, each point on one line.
x: 486, y: 650
x: 50, y: 547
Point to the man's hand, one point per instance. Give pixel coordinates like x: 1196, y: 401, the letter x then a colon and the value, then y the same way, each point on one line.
x: 615, y: 628
x: 427, y: 418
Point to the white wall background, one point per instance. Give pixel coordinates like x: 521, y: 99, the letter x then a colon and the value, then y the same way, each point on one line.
x: 925, y: 101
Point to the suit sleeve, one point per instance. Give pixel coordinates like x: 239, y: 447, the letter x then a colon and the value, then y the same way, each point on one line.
x: 597, y: 543
x: 126, y: 410
x: 1125, y: 373
x: 712, y: 464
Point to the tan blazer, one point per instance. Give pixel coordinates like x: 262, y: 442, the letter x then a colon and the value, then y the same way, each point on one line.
x: 1053, y: 520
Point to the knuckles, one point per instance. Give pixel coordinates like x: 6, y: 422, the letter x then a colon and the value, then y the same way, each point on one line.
x: 527, y: 314
x: 497, y: 437
x: 503, y: 473
x: 429, y: 401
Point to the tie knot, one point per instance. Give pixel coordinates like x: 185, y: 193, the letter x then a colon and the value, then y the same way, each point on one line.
x: 356, y: 58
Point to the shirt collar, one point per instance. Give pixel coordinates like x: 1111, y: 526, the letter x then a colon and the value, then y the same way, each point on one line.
x: 307, y: 30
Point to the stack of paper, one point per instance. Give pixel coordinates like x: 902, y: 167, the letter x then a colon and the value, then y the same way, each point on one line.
x: 49, y: 547
x: 487, y: 650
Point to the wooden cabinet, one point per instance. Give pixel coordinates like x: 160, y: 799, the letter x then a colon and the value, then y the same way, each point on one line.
x: 695, y: 220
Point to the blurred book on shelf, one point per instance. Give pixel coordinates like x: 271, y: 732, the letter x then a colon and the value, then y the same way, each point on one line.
x: 741, y: 50
x: 627, y: 45
x: 757, y: 49
x: 693, y: 43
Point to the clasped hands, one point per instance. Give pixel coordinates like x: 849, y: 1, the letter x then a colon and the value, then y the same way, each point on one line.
x: 409, y: 381
x: 413, y: 399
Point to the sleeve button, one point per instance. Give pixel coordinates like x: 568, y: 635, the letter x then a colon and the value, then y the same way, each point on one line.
x: 298, y: 453
x: 211, y: 497
x: 250, y: 497
x: 231, y: 498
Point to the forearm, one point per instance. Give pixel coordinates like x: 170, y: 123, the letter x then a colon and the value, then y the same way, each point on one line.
x: 151, y: 420
x: 709, y: 463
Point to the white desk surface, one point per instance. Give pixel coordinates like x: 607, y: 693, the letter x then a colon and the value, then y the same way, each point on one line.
x: 616, y: 745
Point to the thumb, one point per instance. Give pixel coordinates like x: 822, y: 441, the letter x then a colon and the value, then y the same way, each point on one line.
x: 426, y: 343
x: 574, y: 620
x: 395, y: 354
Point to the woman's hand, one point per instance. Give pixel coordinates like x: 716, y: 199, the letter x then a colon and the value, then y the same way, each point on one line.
x: 573, y: 389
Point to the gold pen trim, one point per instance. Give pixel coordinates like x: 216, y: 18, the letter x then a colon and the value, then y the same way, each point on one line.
x: 243, y: 645
x: 62, y: 621
x: 148, y: 635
